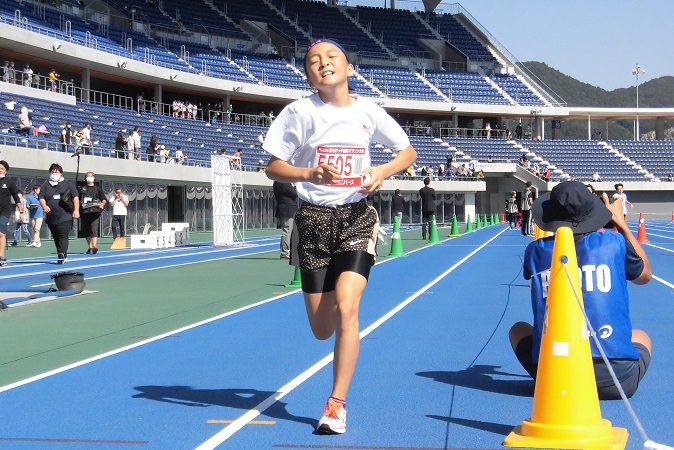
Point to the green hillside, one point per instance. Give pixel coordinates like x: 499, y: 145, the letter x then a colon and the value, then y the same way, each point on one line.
x: 657, y: 93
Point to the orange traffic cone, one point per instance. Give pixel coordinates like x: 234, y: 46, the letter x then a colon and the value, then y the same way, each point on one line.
x: 503, y: 218
x: 566, y: 410
x: 641, y: 233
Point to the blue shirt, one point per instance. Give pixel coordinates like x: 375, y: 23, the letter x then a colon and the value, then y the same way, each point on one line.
x: 605, y: 261
x: 34, y: 207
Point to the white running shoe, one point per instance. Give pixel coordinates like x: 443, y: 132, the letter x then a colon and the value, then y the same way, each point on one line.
x: 38, y: 245
x: 333, y: 420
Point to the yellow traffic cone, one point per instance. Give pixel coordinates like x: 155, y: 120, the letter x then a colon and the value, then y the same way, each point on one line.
x: 566, y: 410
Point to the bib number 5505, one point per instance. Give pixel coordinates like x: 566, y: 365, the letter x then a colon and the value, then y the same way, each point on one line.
x: 344, y: 163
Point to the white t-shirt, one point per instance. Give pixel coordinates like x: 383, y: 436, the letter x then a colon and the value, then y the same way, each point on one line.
x: 616, y: 196
x: 119, y: 209
x: 309, y: 132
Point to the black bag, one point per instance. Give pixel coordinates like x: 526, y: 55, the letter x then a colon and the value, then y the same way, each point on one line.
x: 66, y: 201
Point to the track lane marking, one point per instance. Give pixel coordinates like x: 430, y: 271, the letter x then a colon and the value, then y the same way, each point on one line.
x: 251, y: 414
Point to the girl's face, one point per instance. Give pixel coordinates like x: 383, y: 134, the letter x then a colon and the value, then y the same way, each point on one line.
x: 327, y: 66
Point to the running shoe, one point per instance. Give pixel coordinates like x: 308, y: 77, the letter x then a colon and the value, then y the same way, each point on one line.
x: 94, y: 250
x: 62, y: 257
x: 3, y: 261
x: 89, y: 251
x: 38, y: 245
x: 334, y: 418
x: 30, y: 244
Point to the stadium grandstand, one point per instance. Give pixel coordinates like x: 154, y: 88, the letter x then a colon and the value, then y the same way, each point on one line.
x: 234, y: 65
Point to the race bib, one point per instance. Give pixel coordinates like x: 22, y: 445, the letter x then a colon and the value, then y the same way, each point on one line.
x: 56, y: 197
x: 348, y: 160
x: 87, y: 200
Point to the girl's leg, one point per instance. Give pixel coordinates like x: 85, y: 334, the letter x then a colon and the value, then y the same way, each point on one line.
x: 348, y: 292
x: 337, y: 311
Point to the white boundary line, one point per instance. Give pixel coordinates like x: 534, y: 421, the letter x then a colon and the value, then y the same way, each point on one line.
x: 138, y: 344
x: 239, y: 423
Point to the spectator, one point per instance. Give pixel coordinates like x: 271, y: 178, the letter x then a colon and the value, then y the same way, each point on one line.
x: 518, y: 130
x: 487, y: 130
x: 27, y: 76
x: 36, y: 215
x: 136, y: 143
x: 5, y: 72
x: 570, y: 204
x: 397, y: 205
x: 8, y: 191
x: 53, y: 77
x: 25, y: 124
x: 130, y: 145
x: 527, y: 202
x: 260, y: 138
x: 511, y: 210
x: 61, y: 203
x: 670, y: 176
x: 12, y: 73
x: 120, y: 144
x: 285, y: 195
x: 260, y: 166
x: 236, y: 160
x: 152, y: 148
x: 93, y: 202
x: 84, y: 142
x: 66, y: 137
x: 427, y: 195
x: 21, y: 219
x: 547, y: 174
x: 180, y: 156
x: 230, y: 109
x: 119, y: 203
x: 595, y: 177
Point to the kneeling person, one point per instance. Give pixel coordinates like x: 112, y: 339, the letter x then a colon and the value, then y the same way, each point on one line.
x: 618, y: 257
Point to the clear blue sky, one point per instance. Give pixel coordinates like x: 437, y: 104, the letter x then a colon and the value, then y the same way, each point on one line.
x: 598, y: 42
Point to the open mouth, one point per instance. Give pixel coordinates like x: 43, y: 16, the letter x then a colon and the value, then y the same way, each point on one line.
x: 325, y: 74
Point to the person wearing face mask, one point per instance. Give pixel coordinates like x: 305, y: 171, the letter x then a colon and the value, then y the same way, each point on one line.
x: 21, y: 220
x: 36, y: 214
x: 61, y: 203
x: 8, y: 191
x: 93, y: 201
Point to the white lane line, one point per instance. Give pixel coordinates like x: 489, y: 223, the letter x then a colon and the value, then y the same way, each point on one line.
x: 663, y: 282
x: 140, y: 260
x: 239, y: 423
x: 138, y: 344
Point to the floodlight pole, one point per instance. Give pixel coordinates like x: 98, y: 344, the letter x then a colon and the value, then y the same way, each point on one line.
x: 636, y: 72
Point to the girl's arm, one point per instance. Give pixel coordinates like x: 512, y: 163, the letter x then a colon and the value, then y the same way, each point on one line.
x: 378, y: 174
x: 279, y: 170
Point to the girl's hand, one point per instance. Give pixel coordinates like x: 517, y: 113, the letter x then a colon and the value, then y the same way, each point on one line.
x: 325, y: 174
x: 372, y: 180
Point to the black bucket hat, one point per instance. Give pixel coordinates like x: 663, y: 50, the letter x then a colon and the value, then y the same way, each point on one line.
x: 570, y: 204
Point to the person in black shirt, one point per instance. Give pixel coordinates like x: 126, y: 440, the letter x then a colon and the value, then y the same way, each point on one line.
x: 8, y: 191
x: 397, y: 206
x: 427, y: 194
x: 61, y: 203
x: 285, y: 195
x: 93, y: 201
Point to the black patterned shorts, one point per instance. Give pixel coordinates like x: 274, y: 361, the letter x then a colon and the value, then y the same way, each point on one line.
x: 323, y: 231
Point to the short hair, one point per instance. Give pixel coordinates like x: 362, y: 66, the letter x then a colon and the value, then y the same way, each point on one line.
x: 90, y: 172
x: 618, y: 184
x: 5, y: 164
x: 55, y: 166
x: 427, y: 181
